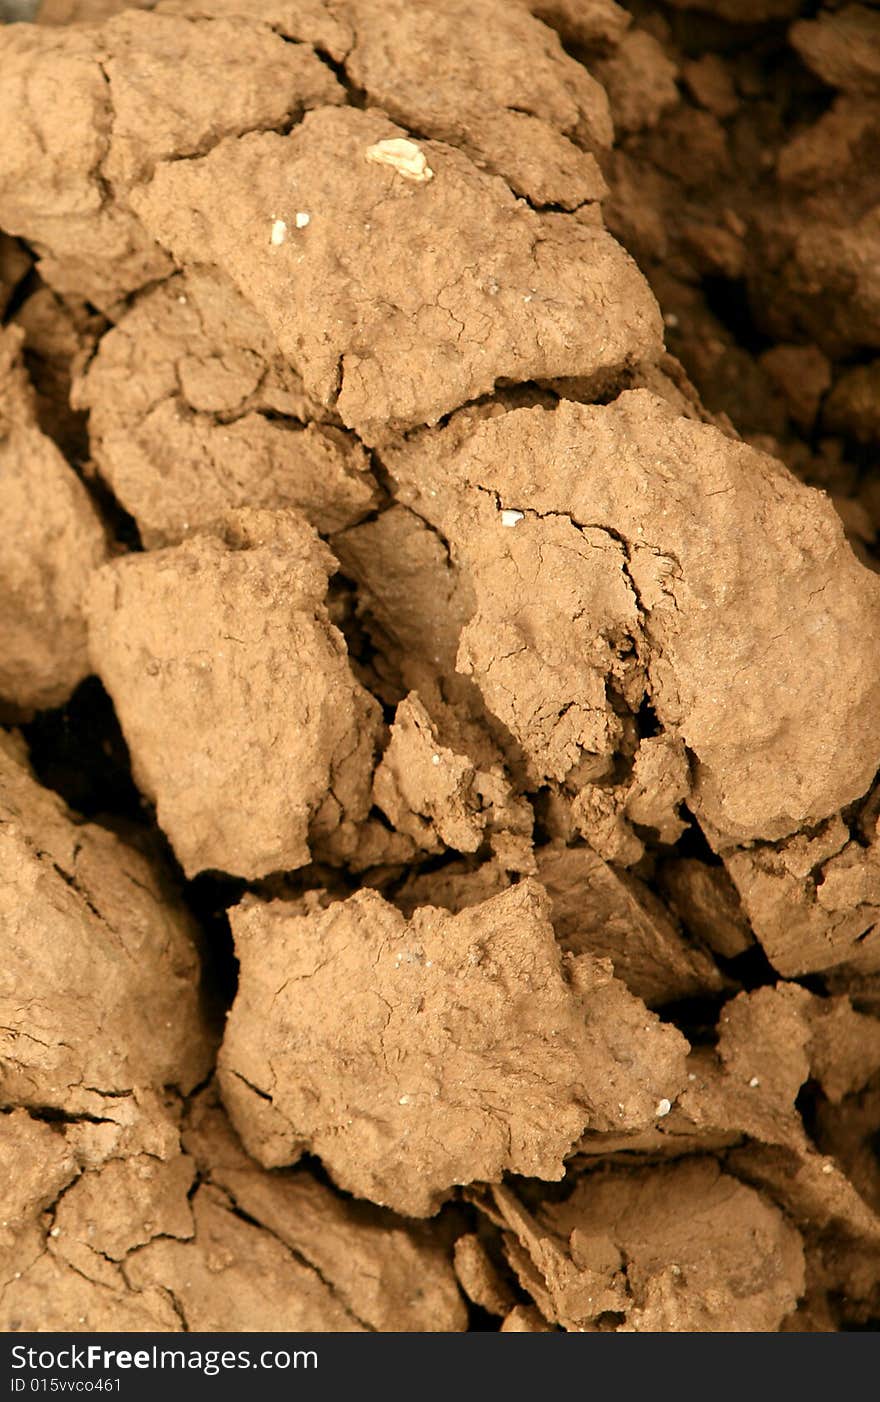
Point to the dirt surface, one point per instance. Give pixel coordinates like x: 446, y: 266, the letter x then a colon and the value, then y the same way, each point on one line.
x: 272, y: 738
x: 527, y: 1047
x: 439, y: 699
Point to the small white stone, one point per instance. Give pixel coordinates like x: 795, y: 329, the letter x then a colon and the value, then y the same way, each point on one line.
x: 754, y: 1082
x: 302, y: 219
x: 402, y: 155
x: 279, y: 233
x: 663, y: 1108
x: 511, y: 518
x: 404, y: 1100
x: 828, y: 1168
x: 692, y: 1075
x: 435, y: 759
x: 56, y: 1231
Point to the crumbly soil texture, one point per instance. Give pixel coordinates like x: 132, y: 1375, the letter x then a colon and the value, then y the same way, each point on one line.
x: 440, y: 665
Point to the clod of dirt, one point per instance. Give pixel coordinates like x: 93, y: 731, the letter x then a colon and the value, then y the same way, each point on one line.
x: 843, y: 48
x: 667, y: 1249
x: 491, y: 80
x: 89, y: 111
x: 121, y: 1206
x: 45, y: 1294
x: 770, y: 1043
x: 587, y: 24
x: 388, y: 1274
x: 48, y: 554
x: 441, y: 798
x: 814, y: 900
x: 413, y: 599
x: 100, y: 974
x: 226, y: 1278
x: 707, y: 903
x: 82, y: 1185
x: 413, y: 1055
x: 611, y: 914
x: 816, y: 244
x: 643, y: 513
x: 853, y: 406
x: 35, y: 1165
x: 640, y: 81
x: 454, y: 886
x: 127, y: 1249
x: 525, y: 1319
x: 480, y: 1278
x: 193, y: 411
x: 233, y: 689
x: 742, y: 1099
x: 493, y: 290
x: 174, y: 1227
x: 803, y: 376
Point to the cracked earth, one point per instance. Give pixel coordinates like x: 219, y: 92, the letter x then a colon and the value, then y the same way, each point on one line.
x: 439, y: 701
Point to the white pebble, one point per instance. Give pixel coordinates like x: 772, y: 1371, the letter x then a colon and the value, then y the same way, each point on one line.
x: 511, y: 518
x: 279, y: 233
x: 754, y: 1082
x: 435, y: 759
x: 302, y: 219
x: 403, y: 156
x: 404, y: 1100
x: 828, y: 1168
x: 663, y: 1108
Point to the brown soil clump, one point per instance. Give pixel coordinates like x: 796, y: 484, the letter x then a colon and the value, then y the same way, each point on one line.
x: 439, y: 710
